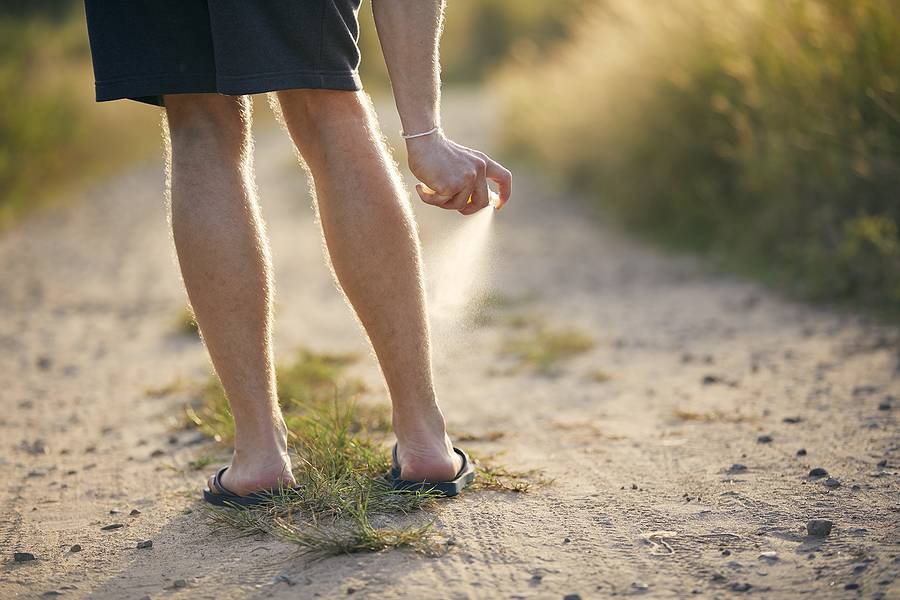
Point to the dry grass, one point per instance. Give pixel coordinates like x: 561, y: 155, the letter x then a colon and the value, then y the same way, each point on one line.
x: 543, y: 349
x: 765, y: 133
x: 714, y: 416
x: 340, y: 461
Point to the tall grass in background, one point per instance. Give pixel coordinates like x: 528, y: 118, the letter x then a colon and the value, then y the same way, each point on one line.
x: 51, y: 132
x: 764, y: 132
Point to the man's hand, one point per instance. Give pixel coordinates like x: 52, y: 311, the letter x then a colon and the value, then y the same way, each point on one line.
x: 455, y: 174
x: 409, y: 31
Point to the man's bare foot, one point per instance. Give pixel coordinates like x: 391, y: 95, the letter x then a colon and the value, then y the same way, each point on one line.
x: 424, y: 450
x: 260, y: 462
x: 255, y: 474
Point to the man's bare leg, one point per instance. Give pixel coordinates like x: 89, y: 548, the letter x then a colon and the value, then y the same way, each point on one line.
x: 374, y: 248
x: 225, y: 263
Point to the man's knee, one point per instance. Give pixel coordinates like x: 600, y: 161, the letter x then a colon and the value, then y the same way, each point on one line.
x: 207, y: 121
x: 311, y: 112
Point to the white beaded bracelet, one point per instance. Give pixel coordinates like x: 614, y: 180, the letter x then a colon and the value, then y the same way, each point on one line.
x: 409, y: 136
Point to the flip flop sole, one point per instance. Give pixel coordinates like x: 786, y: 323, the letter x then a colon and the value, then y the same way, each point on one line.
x: 233, y: 500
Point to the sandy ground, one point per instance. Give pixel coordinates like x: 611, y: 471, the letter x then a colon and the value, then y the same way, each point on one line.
x: 700, y: 367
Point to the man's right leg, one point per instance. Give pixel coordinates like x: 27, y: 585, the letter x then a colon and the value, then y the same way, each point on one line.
x: 374, y: 248
x: 225, y: 263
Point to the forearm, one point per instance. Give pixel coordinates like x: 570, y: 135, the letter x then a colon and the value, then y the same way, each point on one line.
x: 409, y: 31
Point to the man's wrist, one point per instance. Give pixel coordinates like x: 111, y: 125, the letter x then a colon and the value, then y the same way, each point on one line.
x: 436, y: 130
x: 425, y: 141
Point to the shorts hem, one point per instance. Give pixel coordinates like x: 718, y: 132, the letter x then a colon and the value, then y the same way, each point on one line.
x: 150, y: 90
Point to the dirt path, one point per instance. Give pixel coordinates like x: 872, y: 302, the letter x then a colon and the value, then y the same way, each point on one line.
x: 688, y: 371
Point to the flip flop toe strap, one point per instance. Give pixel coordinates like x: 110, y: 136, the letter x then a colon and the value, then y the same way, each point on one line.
x: 217, y: 482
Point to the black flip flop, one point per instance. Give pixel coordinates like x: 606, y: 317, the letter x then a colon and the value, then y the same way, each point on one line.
x: 225, y: 497
x: 464, y: 477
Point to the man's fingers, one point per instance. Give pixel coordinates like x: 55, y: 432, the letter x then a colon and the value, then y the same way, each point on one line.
x: 501, y: 175
x: 480, y: 194
x: 460, y: 200
x: 429, y: 196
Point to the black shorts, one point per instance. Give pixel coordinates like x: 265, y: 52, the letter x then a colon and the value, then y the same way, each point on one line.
x: 143, y: 49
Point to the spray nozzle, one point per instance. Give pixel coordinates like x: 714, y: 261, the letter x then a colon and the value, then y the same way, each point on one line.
x: 494, y: 199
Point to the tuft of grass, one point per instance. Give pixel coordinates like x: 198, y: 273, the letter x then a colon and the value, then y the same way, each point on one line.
x: 201, y: 463
x: 543, y: 349
x: 488, y: 306
x: 342, y: 501
x: 494, y: 477
x: 599, y: 376
x: 488, y: 436
x: 340, y: 489
x: 715, y: 416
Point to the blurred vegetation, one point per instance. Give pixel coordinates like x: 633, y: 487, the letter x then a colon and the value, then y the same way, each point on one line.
x: 51, y: 133
x: 766, y: 132
x: 479, y: 35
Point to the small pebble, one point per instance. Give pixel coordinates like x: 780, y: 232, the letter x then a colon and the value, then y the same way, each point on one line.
x: 572, y: 597
x: 768, y: 556
x: 801, y: 452
x: 567, y: 540
x: 737, y: 468
x: 792, y: 420
x: 134, y: 512
x: 832, y: 483
x: 23, y: 556
x: 145, y: 544
x: 179, y: 583
x: 741, y: 587
x: 819, y: 527
x: 818, y: 472
x: 112, y: 526
x: 851, y: 586
x: 75, y: 548
x: 764, y: 439
x: 882, y: 463
x: 282, y: 578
